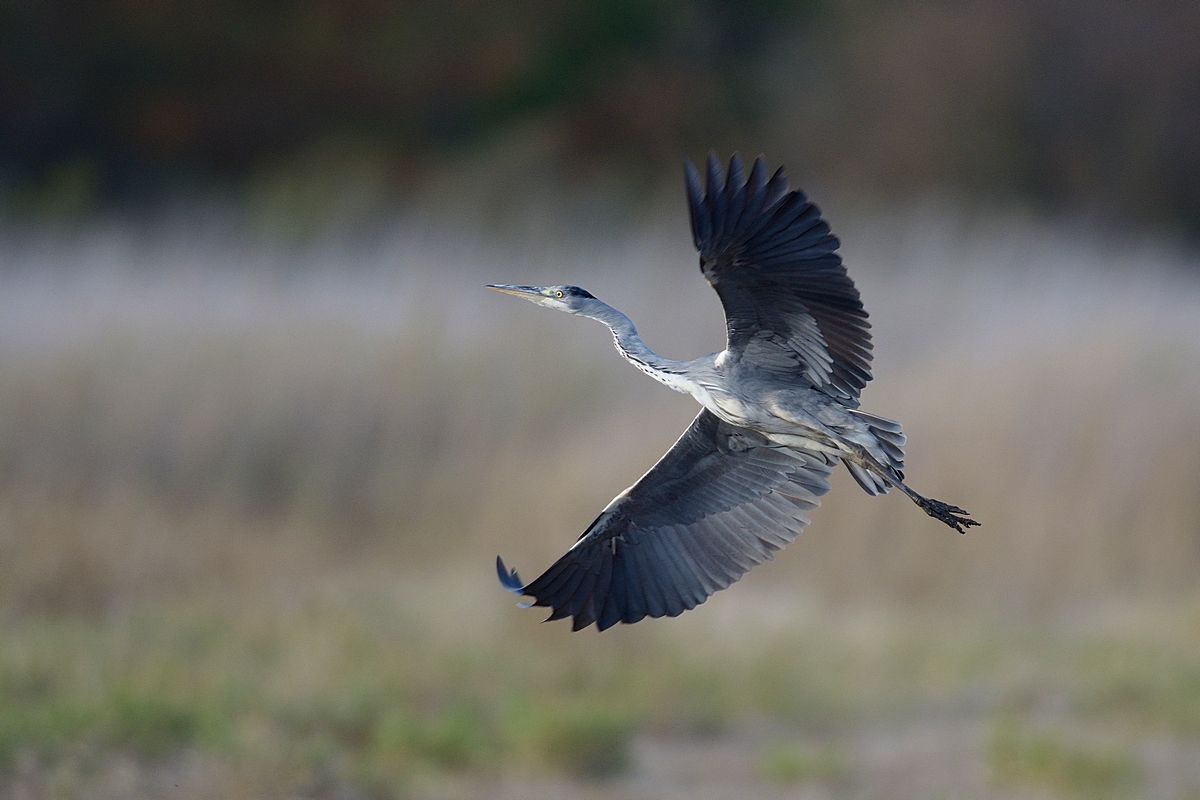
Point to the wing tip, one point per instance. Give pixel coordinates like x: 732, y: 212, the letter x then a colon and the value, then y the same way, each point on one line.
x: 735, y: 175
x: 715, y: 179
x: 509, y: 578
x: 695, y: 195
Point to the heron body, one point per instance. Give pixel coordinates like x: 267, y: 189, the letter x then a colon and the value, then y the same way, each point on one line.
x: 780, y: 410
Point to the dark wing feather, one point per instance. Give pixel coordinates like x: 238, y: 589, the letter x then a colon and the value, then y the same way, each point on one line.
x: 715, y: 505
x: 789, y: 305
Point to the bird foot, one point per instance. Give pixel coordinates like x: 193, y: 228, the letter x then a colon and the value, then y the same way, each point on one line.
x: 953, y: 516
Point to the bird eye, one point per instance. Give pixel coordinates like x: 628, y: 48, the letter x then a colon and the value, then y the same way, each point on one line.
x: 558, y: 293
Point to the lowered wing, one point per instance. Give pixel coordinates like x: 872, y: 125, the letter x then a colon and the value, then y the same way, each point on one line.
x: 790, y: 307
x: 716, y: 505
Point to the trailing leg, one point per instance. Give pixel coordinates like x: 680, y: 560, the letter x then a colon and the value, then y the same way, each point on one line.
x: 953, y: 516
x: 875, y: 477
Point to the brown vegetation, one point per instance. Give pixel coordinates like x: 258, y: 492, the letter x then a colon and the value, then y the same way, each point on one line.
x: 248, y: 513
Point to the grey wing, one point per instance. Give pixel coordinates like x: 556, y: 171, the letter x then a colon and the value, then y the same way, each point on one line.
x: 789, y: 304
x: 716, y: 505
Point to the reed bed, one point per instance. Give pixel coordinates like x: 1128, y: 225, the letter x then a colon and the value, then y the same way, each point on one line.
x: 250, y: 493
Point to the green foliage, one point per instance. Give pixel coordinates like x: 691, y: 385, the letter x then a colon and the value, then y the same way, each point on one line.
x: 181, y: 93
x: 127, y: 718
x: 589, y: 741
x: 1021, y: 756
x: 461, y: 737
x: 793, y: 764
x: 151, y: 725
x: 1135, y: 680
x: 140, y: 99
x: 346, y: 694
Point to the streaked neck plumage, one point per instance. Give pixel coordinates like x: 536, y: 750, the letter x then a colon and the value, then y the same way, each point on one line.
x: 625, y: 336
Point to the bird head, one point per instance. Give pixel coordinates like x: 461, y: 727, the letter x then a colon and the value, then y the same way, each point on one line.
x: 571, y: 299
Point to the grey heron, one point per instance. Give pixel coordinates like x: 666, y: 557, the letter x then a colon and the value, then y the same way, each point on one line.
x: 780, y: 410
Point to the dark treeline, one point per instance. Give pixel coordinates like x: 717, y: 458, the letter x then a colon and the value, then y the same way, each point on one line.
x: 1091, y: 104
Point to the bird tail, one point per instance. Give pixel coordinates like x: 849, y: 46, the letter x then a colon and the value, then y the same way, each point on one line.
x: 880, y: 466
x: 883, y: 441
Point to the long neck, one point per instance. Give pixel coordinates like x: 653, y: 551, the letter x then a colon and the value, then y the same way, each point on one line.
x: 635, y: 351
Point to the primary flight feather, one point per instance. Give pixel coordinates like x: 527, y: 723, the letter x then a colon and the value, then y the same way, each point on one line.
x: 780, y: 411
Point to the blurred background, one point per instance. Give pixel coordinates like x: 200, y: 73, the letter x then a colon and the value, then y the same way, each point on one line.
x: 262, y: 431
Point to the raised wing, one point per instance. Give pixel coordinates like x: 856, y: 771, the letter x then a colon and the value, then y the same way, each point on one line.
x: 790, y: 308
x: 716, y: 505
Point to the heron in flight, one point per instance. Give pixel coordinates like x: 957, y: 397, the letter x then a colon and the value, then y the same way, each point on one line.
x: 780, y: 409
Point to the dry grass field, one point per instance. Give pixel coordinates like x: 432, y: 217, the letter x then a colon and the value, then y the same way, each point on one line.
x: 250, y: 494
